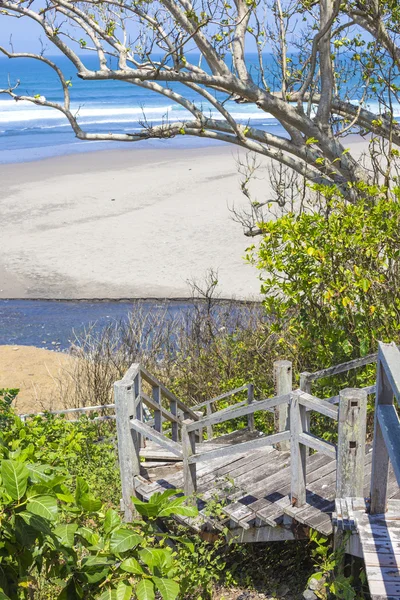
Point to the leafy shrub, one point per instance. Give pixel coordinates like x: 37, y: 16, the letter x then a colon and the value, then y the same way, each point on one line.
x: 330, y: 281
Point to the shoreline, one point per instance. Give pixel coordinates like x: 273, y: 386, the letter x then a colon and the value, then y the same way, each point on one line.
x: 127, y: 224
x: 123, y: 224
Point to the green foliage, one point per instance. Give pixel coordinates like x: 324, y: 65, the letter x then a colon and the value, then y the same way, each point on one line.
x: 60, y: 539
x: 330, y: 280
x: 333, y: 581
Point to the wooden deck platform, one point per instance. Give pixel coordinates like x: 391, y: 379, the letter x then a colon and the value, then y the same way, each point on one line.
x: 258, y: 488
x: 254, y: 487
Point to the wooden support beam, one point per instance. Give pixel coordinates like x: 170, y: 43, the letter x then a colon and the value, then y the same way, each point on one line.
x: 298, y: 451
x: 241, y: 448
x: 390, y: 427
x: 209, y: 427
x: 188, y: 450
x: 305, y: 386
x: 226, y: 415
x: 158, y: 417
x: 156, y: 437
x: 128, y: 445
x: 351, y: 443
x: 319, y: 405
x: 283, y: 385
x: 173, y: 407
x: 380, y: 454
x: 316, y: 443
x: 250, y: 400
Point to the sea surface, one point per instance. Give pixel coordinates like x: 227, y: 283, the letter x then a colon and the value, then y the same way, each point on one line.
x: 29, y: 132
x: 55, y: 325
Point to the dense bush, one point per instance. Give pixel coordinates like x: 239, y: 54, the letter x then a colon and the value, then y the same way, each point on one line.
x: 331, y: 280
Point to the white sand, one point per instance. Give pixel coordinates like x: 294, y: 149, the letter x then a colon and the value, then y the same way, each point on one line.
x: 122, y: 224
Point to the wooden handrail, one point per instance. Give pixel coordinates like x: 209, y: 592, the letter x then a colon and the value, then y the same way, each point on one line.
x: 221, y: 397
x: 342, y: 368
x: 387, y: 425
x: 318, y: 405
x: 260, y: 442
x: 234, y: 413
x: 67, y: 411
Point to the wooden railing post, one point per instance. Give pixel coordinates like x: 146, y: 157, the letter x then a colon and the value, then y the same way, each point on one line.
x: 250, y: 400
x: 351, y: 443
x: 128, y: 444
x: 283, y: 385
x: 209, y: 427
x: 137, y: 386
x: 298, y: 452
x: 380, y: 455
x: 305, y: 386
x: 156, y: 394
x: 173, y: 407
x: 188, y: 449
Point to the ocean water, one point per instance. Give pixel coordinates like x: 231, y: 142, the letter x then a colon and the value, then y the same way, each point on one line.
x: 29, y: 132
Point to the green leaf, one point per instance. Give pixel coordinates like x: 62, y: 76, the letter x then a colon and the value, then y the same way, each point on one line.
x: 124, y: 591
x: 43, y: 506
x: 37, y: 522
x: 15, y: 478
x: 131, y: 565
x: 39, y: 473
x: 81, y: 488
x: 123, y: 539
x: 89, y: 503
x: 157, y: 558
x: 145, y: 590
x: 66, y: 533
x: 112, y: 520
x: 168, y: 588
x: 108, y: 594
x: 177, y: 507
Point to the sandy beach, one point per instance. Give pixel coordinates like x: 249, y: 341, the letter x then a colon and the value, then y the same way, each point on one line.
x: 128, y: 223
x: 123, y: 224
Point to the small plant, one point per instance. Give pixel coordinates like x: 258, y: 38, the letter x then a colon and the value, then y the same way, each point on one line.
x: 333, y: 582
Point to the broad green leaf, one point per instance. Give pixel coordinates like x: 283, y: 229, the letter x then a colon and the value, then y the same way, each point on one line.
x: 39, y: 473
x: 177, y: 507
x: 37, y: 522
x: 66, y: 533
x: 157, y: 558
x: 123, y: 539
x: 131, y: 565
x: 89, y: 503
x: 145, y: 590
x: 4, y: 596
x: 25, y: 533
x: 124, y: 591
x: 15, y: 478
x: 112, y: 520
x: 168, y: 588
x: 81, y: 488
x: 108, y: 594
x: 90, y: 536
x: 43, y: 506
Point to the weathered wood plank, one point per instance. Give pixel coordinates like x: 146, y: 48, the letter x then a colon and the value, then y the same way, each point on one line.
x: 243, y: 447
x: 389, y: 356
x: 128, y: 445
x: 158, y: 408
x: 283, y: 376
x: 318, y: 444
x: 156, y: 437
x: 250, y: 400
x: 167, y: 393
x: 351, y: 443
x: 234, y: 413
x: 188, y: 449
x: 298, y: 451
x: 317, y: 404
x: 222, y: 396
x: 342, y: 368
x: 380, y: 458
x: 390, y: 428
